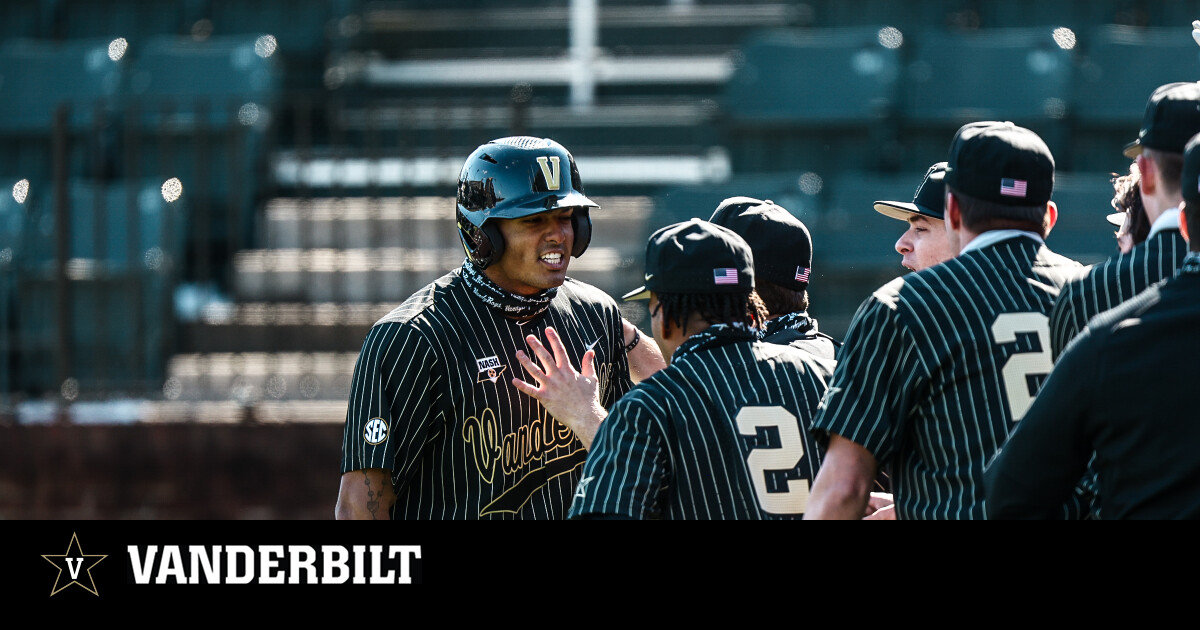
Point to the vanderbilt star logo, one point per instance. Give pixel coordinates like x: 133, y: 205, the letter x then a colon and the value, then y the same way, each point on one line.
x: 75, y: 563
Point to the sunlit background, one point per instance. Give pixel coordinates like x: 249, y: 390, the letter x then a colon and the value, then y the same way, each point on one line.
x: 212, y: 200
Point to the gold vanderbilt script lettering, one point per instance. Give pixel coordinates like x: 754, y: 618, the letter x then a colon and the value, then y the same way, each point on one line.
x: 481, y: 435
x: 514, y: 450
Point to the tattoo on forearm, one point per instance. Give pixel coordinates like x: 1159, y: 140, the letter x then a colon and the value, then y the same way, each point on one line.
x: 372, y: 499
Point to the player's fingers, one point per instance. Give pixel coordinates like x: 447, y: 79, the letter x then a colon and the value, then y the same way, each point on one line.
x: 556, y: 344
x: 530, y: 367
x: 522, y: 386
x: 540, y: 352
x: 588, y: 369
x: 883, y: 514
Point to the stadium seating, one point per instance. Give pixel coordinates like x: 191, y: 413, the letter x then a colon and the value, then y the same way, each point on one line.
x: 1022, y: 75
x: 37, y: 76
x: 1119, y: 68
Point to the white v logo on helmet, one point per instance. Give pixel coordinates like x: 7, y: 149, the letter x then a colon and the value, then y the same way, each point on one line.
x: 551, y: 170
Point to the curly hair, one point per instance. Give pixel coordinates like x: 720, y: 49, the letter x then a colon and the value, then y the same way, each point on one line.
x: 1127, y: 198
x: 714, y: 308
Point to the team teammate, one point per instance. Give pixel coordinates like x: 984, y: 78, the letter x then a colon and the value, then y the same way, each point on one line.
x: 435, y: 428
x: 1144, y: 444
x: 1130, y: 217
x: 721, y: 433
x: 1172, y: 117
x: 924, y: 244
x: 938, y: 365
x: 782, y: 248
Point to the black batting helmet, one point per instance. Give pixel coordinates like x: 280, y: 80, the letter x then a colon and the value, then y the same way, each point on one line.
x: 515, y: 177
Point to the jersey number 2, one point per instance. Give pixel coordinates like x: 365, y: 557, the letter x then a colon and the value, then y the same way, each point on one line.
x: 789, y: 453
x: 1022, y: 365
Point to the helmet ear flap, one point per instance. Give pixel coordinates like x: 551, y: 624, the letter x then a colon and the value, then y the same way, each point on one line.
x: 494, y: 240
x: 581, y: 223
x: 484, y: 245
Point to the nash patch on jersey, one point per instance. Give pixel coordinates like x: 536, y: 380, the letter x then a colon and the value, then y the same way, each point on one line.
x: 376, y: 431
x: 490, y: 369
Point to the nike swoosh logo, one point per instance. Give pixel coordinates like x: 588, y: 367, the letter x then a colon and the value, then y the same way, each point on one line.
x: 593, y: 344
x: 649, y: 277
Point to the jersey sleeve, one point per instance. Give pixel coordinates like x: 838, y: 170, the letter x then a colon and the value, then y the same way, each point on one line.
x: 627, y: 472
x: 620, y: 382
x: 1040, y: 465
x: 871, y: 392
x: 393, y: 400
x: 1067, y: 318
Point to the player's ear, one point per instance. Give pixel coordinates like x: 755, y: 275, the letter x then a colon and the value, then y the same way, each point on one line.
x: 1183, y: 226
x: 953, y: 212
x: 1051, y: 217
x: 1147, y: 175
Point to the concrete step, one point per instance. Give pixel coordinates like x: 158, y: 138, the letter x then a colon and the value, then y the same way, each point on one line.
x: 420, y: 222
x: 248, y: 378
x: 388, y: 274
x: 275, y: 327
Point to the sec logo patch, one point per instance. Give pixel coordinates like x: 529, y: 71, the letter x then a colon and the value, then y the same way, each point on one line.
x: 375, y: 431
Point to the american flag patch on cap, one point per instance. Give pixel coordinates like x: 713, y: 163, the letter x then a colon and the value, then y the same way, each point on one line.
x: 726, y: 275
x: 1013, y: 187
x: 802, y: 274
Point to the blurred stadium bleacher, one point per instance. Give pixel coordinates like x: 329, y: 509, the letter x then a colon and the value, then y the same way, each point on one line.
x: 212, y: 201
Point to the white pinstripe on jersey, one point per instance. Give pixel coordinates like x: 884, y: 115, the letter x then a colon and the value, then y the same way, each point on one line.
x: 1113, y: 281
x: 461, y: 444
x: 923, y: 383
x: 672, y: 448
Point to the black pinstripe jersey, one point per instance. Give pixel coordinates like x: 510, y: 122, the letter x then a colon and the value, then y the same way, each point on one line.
x: 432, y: 401
x: 937, y: 365
x: 1139, y: 422
x: 720, y: 433
x: 1113, y: 281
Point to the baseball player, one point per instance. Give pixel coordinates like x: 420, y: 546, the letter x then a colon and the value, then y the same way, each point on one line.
x: 1130, y: 217
x: 1144, y: 444
x: 924, y: 244
x: 782, y: 248
x: 435, y: 429
x: 1172, y: 117
x: 721, y: 432
x: 938, y: 364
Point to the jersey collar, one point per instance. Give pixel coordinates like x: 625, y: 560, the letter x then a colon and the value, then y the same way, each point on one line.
x: 1168, y: 220
x: 991, y: 237
x: 715, y: 336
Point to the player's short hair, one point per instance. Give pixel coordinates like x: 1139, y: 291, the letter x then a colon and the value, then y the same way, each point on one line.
x: 780, y: 300
x: 714, y: 308
x: 1170, y: 168
x: 980, y: 216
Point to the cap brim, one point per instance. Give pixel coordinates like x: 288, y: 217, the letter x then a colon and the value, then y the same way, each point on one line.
x: 1116, y: 218
x: 1133, y: 149
x: 903, y: 211
x: 640, y: 293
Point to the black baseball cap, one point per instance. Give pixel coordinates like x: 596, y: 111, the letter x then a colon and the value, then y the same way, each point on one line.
x: 1189, y: 180
x: 1000, y: 162
x: 781, y: 243
x: 929, y: 200
x: 1172, y: 117
x: 696, y: 256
